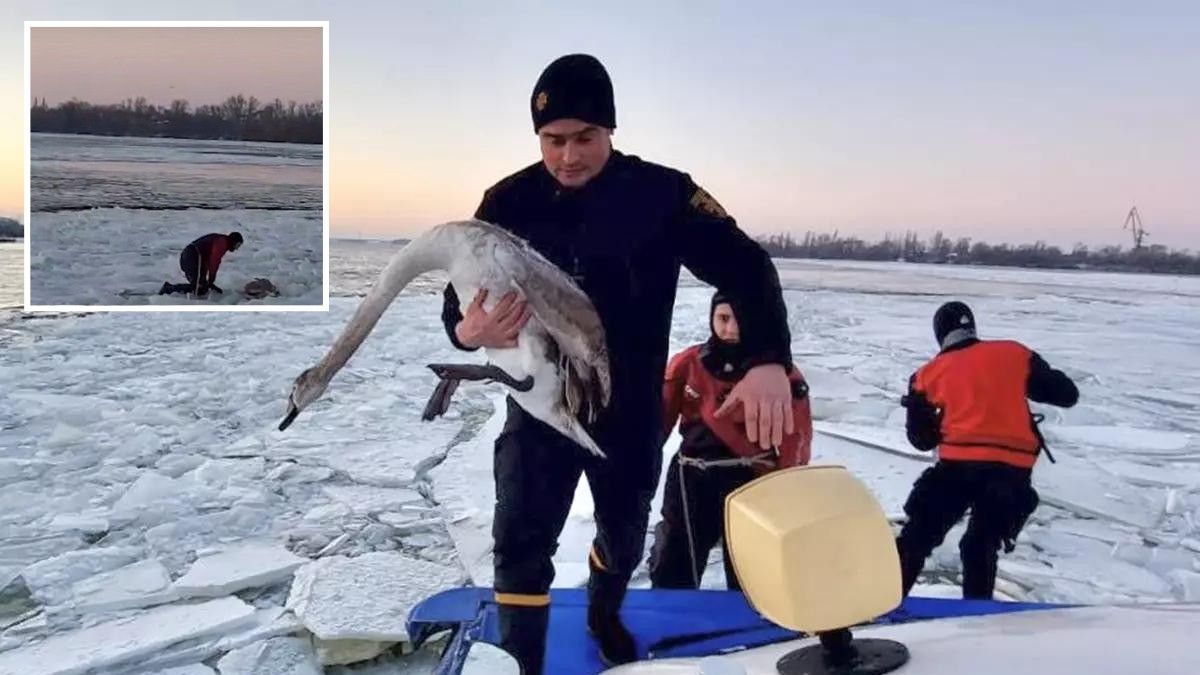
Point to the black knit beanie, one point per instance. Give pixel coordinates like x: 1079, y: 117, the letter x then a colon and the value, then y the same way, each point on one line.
x: 952, y: 323
x: 573, y: 86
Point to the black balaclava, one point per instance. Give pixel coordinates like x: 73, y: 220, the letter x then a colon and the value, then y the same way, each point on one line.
x: 725, y: 360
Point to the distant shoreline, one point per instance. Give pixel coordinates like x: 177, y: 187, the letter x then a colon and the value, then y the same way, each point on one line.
x: 1082, y: 268
x: 178, y: 137
x: 1105, y: 269
x: 942, y: 250
x: 237, y: 118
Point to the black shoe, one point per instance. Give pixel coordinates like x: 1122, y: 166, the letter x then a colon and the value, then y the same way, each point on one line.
x: 615, y: 643
x: 166, y: 288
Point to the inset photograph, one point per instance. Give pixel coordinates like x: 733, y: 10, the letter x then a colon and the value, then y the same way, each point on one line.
x: 177, y: 165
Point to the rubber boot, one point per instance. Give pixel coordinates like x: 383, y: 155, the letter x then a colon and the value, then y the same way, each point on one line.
x: 979, y: 571
x: 606, y: 592
x: 613, y: 640
x: 523, y: 635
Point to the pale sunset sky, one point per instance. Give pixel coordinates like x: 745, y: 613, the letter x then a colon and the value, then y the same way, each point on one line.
x: 1008, y: 121
x: 200, y: 65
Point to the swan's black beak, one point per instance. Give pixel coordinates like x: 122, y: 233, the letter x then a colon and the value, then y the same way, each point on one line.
x: 291, y: 416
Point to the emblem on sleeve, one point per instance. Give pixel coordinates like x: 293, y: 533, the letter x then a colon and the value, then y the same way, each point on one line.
x: 703, y: 201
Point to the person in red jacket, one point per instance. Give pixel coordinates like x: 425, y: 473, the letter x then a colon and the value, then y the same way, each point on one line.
x: 200, y: 261
x: 970, y: 403
x: 715, y: 457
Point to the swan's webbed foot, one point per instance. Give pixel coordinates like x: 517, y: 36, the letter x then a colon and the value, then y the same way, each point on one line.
x: 451, y: 374
x: 474, y: 372
x: 439, y: 402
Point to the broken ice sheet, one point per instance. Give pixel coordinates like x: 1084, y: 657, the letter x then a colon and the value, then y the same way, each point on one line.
x: 237, y: 568
x: 123, y: 640
x: 264, y: 624
x: 277, y: 656
x: 193, y: 669
x: 340, y: 652
x: 141, y: 584
x: 52, y: 579
x: 365, y: 598
x: 16, y: 603
x: 366, y: 499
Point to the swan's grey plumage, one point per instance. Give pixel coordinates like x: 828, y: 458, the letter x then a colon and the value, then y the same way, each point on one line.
x: 562, y: 347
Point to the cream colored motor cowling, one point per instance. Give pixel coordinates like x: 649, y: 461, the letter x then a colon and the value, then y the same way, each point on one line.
x: 813, y: 549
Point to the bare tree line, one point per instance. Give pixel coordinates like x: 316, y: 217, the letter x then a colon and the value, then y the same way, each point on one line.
x: 236, y: 119
x: 11, y: 230
x: 942, y: 249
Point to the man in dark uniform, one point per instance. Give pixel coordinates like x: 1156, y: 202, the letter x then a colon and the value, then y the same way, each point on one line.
x: 621, y: 227
x: 200, y: 261
x: 970, y: 403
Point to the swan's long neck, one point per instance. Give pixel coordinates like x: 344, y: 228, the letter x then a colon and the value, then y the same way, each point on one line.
x: 431, y: 251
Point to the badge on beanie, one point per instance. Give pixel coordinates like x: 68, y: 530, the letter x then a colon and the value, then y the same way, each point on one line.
x: 703, y: 201
x: 542, y: 99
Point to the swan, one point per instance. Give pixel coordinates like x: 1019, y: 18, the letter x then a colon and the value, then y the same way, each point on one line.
x: 558, y: 371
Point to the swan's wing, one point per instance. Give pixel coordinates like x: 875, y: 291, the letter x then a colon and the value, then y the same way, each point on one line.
x: 582, y: 394
x: 565, y: 311
x: 571, y: 321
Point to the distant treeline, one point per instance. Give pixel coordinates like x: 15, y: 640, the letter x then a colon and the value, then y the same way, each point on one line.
x: 11, y: 229
x: 237, y: 119
x: 941, y: 249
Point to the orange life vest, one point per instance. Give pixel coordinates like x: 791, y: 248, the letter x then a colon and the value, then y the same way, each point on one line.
x: 981, y: 393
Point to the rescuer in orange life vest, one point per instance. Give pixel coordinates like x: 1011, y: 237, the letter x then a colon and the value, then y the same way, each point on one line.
x: 715, y: 457
x: 969, y: 402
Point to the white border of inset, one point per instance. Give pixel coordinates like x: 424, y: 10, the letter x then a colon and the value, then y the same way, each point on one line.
x: 323, y: 307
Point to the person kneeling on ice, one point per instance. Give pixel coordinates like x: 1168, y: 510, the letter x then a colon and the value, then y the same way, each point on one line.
x: 715, y: 457
x: 970, y: 403
x: 200, y: 261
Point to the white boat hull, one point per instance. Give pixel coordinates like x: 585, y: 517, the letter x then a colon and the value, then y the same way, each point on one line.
x: 1162, y: 639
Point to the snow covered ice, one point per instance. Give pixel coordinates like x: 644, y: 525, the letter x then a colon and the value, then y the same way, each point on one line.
x: 110, y: 216
x: 12, y: 276
x: 141, y: 465
x: 120, y: 256
x: 362, y: 598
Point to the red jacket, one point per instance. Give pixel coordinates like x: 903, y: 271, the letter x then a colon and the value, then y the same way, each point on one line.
x: 212, y: 247
x: 219, y: 248
x: 692, y: 395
